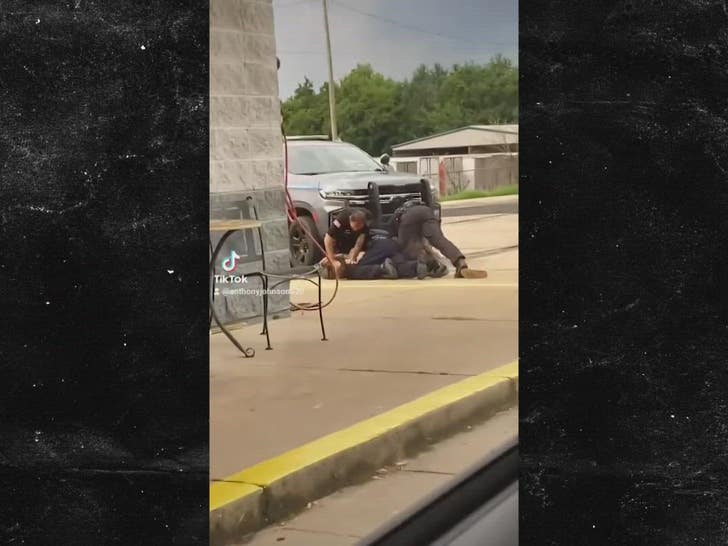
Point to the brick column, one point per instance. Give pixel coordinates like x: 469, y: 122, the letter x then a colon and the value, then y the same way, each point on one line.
x: 246, y: 150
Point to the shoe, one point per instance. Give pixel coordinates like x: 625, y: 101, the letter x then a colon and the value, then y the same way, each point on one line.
x: 464, y: 272
x: 439, y: 270
x: 389, y: 271
x: 422, y: 270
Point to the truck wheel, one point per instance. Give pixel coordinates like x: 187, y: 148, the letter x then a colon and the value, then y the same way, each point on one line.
x: 303, y: 249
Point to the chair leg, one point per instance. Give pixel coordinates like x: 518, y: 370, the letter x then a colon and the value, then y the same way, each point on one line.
x: 247, y: 352
x: 264, y: 300
x: 265, y: 313
x: 212, y: 295
x: 320, y: 309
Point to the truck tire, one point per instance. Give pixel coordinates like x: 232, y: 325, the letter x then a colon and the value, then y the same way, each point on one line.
x: 304, y: 250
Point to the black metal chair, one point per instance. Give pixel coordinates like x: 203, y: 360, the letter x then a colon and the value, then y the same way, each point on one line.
x: 294, y: 273
x: 248, y: 211
x: 303, y: 273
x: 308, y: 274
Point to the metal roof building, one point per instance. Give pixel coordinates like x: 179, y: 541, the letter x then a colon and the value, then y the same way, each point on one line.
x: 480, y: 157
x: 472, y: 139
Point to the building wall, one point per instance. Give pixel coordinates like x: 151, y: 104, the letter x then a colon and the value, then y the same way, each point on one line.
x: 466, y: 171
x: 469, y: 173
x: 246, y: 149
x: 405, y: 166
x: 496, y: 170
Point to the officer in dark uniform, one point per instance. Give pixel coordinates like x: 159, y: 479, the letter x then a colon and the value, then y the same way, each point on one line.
x: 413, y: 221
x: 384, y: 256
x: 347, y: 235
x: 382, y: 260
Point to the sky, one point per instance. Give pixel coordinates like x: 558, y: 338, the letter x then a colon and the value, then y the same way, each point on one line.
x: 394, y: 36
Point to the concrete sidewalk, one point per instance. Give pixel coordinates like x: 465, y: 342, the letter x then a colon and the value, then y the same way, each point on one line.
x: 500, y: 199
x: 390, y: 342
x: 350, y: 514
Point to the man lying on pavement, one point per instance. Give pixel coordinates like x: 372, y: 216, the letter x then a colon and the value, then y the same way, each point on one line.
x: 386, y: 261
x: 388, y: 269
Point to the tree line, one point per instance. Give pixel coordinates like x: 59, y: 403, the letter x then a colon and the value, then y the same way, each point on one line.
x: 374, y: 112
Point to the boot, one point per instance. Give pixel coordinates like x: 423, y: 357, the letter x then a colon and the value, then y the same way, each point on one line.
x: 438, y: 270
x: 389, y: 270
x: 422, y: 270
x: 462, y: 271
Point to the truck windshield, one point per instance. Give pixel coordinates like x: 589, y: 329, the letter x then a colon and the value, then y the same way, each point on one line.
x: 334, y: 158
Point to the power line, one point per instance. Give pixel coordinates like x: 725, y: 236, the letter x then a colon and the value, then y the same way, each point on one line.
x: 414, y: 28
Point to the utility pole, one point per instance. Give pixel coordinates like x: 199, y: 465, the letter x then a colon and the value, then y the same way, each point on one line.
x: 332, y: 98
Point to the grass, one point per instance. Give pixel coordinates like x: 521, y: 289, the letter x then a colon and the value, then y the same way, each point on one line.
x: 474, y: 194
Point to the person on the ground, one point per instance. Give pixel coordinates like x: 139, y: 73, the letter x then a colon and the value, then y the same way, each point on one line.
x: 414, y: 221
x: 349, y: 235
x: 384, y: 259
x: 382, y: 247
x: 388, y: 269
x: 385, y: 252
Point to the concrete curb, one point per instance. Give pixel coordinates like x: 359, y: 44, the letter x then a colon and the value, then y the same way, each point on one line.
x: 463, y: 203
x: 274, y: 489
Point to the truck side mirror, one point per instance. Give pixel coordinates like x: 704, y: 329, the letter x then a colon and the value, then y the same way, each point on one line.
x: 384, y: 159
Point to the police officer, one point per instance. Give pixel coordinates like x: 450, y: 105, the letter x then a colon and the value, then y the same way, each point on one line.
x: 413, y: 221
x: 347, y: 235
x: 384, y: 257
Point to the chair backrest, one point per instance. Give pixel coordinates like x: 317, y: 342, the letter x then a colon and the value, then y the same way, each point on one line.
x: 243, y: 209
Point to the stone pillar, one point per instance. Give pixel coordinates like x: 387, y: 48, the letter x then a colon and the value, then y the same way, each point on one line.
x: 246, y: 148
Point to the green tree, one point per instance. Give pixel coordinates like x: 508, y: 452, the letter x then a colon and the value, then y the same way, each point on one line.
x: 306, y: 112
x: 375, y: 112
x: 420, y: 99
x: 475, y: 94
x: 368, y: 110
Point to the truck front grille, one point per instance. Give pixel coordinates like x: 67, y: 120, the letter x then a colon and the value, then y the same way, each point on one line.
x: 399, y: 190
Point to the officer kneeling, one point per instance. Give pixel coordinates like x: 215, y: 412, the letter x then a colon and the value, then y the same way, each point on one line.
x: 414, y: 221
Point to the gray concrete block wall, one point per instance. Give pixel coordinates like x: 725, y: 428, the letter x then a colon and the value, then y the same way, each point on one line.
x: 246, y: 147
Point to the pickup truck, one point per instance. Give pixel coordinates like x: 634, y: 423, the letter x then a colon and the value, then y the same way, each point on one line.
x: 325, y: 177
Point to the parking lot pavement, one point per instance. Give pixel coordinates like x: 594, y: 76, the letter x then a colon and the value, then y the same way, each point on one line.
x: 389, y: 342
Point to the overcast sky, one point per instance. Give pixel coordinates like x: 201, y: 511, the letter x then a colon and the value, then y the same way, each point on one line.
x: 394, y: 36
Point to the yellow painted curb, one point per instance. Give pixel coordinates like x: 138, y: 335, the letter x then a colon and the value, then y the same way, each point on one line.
x: 508, y: 370
x: 225, y: 492
x: 250, y: 480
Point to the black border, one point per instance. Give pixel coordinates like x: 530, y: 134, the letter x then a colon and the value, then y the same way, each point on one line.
x: 623, y: 248
x: 104, y: 217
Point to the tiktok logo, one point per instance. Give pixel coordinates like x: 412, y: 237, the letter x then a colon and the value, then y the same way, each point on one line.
x: 231, y: 262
